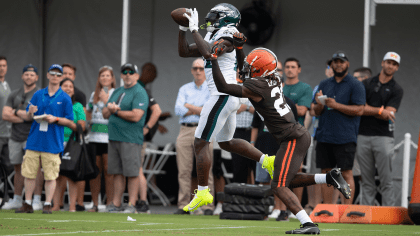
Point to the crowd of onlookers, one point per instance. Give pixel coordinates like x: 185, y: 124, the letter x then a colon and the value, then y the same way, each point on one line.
x: 352, y: 129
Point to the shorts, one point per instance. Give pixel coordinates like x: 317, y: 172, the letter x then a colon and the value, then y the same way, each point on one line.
x: 50, y: 164
x: 124, y: 158
x: 16, y: 151
x: 329, y: 155
x: 218, y: 119
x: 289, y: 159
x: 100, y: 148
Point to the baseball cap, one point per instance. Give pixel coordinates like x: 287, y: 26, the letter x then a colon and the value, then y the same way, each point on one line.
x: 340, y: 55
x: 30, y: 67
x: 129, y: 66
x: 56, y: 66
x: 392, y: 56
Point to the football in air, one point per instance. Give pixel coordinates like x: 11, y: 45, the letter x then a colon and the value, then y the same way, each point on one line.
x: 179, y: 18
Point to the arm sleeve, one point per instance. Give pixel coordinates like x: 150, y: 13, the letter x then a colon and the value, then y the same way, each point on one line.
x: 256, y: 86
x: 180, y: 109
x: 152, y: 100
x: 306, y: 98
x: 80, y: 113
x: 140, y: 101
x: 9, y: 101
x: 395, y: 99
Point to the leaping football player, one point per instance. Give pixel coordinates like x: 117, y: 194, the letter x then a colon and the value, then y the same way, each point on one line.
x: 263, y: 87
x: 218, y: 116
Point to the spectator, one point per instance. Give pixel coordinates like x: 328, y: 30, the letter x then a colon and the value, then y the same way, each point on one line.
x: 4, y: 125
x: 376, y: 134
x: 311, y: 120
x: 14, y: 112
x: 148, y: 75
x: 67, y: 85
x: 46, y: 138
x: 362, y: 73
x: 300, y: 93
x: 126, y: 113
x: 339, y: 122
x: 265, y: 142
x: 98, y: 135
x: 69, y: 71
x: 188, y: 106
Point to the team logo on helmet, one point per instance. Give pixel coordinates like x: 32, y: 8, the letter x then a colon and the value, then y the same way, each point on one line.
x: 260, y: 62
x: 223, y: 14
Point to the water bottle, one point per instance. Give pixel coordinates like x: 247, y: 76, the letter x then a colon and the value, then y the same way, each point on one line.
x: 391, y: 125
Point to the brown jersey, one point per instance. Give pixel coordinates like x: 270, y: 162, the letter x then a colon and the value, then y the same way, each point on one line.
x: 277, y: 115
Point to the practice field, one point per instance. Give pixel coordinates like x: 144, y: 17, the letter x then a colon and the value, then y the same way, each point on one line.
x: 66, y: 223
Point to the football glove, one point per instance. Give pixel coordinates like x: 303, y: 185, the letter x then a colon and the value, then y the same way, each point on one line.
x: 193, y: 19
x: 183, y: 28
x: 239, y: 40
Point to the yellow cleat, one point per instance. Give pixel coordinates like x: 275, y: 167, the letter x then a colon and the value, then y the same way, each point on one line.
x: 201, y: 198
x: 268, y: 164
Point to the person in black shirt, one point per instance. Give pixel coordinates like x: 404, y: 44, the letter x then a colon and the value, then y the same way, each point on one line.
x: 265, y: 91
x: 376, y: 131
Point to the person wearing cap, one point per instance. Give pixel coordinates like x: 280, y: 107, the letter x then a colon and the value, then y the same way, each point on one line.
x: 376, y: 136
x: 339, y: 118
x: 46, y: 137
x: 126, y: 110
x: 14, y: 112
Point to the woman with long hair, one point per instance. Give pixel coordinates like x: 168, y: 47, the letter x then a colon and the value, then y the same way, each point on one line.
x: 98, y: 133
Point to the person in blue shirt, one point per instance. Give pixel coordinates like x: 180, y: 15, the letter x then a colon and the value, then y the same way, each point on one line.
x: 339, y: 118
x: 46, y: 137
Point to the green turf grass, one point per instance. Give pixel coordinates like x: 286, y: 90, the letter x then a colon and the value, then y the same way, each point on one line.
x: 80, y: 223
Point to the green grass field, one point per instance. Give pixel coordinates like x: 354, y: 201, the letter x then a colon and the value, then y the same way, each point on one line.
x: 78, y: 223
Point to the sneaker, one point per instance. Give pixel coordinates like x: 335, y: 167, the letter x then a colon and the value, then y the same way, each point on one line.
x: 142, y: 207
x: 181, y: 212
x: 283, y: 216
x: 12, y: 204
x: 218, y: 210
x: 307, y: 228
x: 208, y: 212
x: 268, y: 164
x: 201, y: 198
x: 274, y: 214
x: 335, y: 179
x: 111, y: 208
x: 26, y: 208
x: 130, y: 209
x: 80, y: 208
x: 47, y: 209
x: 37, y: 205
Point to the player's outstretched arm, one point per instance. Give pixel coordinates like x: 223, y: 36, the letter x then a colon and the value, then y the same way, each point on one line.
x: 184, y: 48
x: 239, y: 40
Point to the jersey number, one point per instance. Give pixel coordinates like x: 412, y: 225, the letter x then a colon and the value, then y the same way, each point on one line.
x: 279, y: 101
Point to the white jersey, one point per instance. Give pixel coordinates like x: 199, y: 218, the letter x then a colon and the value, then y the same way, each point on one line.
x: 227, y: 61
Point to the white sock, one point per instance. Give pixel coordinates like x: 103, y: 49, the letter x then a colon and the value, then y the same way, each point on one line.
x: 37, y: 198
x: 321, y: 178
x: 202, y: 187
x: 29, y: 202
x: 262, y: 159
x: 17, y: 198
x: 303, y: 217
x: 47, y: 203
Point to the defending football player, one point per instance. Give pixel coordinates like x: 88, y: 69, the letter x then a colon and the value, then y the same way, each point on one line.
x: 263, y: 87
x: 218, y: 116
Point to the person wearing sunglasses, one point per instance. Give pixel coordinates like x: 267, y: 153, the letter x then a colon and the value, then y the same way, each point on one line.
x: 14, y: 112
x: 54, y: 110
x: 376, y: 133
x: 126, y: 110
x: 338, y: 122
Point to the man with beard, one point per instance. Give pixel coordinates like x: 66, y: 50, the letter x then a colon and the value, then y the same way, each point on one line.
x: 376, y: 136
x: 339, y: 117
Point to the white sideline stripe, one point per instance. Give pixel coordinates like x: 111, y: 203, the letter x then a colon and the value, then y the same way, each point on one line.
x: 139, y: 230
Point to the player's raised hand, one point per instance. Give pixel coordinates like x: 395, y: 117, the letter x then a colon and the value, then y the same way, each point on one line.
x: 193, y: 19
x: 239, y: 40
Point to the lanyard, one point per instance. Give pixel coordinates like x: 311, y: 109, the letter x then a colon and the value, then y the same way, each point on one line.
x: 52, y: 100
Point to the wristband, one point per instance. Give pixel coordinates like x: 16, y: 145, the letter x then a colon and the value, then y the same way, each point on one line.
x: 116, y: 113
x: 247, y: 108
x: 238, y: 47
x: 16, y: 110
x: 380, y: 110
x: 252, y: 142
x: 147, y: 127
x: 183, y: 28
x: 57, y: 120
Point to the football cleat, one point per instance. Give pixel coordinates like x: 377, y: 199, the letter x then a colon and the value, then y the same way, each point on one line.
x: 310, y: 228
x: 202, y: 197
x: 335, y: 179
x: 268, y: 164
